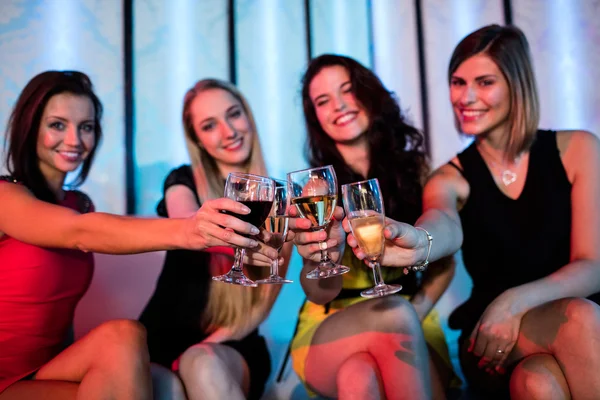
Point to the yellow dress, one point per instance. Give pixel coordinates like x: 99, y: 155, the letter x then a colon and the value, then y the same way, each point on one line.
x: 360, y: 277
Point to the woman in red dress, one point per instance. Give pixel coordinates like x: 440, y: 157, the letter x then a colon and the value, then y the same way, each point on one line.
x: 47, y: 235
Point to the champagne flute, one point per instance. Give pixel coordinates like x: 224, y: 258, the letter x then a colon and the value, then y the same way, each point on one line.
x: 277, y: 225
x: 364, y: 209
x: 314, y: 192
x: 257, y: 193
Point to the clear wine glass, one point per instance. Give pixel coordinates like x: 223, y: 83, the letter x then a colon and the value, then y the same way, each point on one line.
x: 314, y: 193
x: 257, y: 193
x: 277, y: 225
x: 363, y: 204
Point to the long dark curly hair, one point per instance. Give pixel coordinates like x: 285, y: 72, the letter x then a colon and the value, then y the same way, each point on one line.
x: 396, y: 153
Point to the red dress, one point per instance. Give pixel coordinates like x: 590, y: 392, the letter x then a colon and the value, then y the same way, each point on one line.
x: 39, y: 289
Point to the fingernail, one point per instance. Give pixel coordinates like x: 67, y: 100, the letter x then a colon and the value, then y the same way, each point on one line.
x: 253, y: 243
x: 245, y: 209
x: 281, y: 260
x: 254, y: 231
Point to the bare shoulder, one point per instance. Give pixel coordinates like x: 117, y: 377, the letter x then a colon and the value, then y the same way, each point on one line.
x: 578, y: 149
x: 10, y: 191
x: 449, y: 179
x: 12, y: 194
x: 575, y: 140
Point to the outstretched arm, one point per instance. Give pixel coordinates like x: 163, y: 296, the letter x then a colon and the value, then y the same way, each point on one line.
x: 181, y: 202
x: 25, y: 218
x: 445, y: 191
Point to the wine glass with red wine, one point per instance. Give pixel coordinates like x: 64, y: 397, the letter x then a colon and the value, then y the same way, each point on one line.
x: 257, y: 193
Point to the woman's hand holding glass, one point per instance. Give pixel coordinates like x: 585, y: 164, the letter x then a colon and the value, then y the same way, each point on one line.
x: 314, y: 192
x: 311, y: 244
x: 210, y: 227
x: 257, y: 193
x: 404, y: 245
x: 363, y: 203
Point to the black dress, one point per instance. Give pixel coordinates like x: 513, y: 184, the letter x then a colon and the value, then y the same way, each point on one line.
x: 173, y: 314
x: 508, y: 243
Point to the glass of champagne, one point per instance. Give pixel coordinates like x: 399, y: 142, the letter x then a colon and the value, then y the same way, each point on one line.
x: 277, y: 225
x: 257, y: 193
x: 314, y: 192
x: 364, y: 209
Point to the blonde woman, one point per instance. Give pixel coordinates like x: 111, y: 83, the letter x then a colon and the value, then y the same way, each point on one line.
x: 205, y: 330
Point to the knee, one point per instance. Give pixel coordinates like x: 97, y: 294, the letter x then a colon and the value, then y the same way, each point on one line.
x: 359, y: 374
x: 122, y: 334
x: 165, y: 384
x: 201, y: 364
x: 394, y: 314
x: 531, y: 380
x: 582, y: 320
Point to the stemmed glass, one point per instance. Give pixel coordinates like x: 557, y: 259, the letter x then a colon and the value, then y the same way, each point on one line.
x: 363, y: 204
x: 257, y: 193
x: 314, y: 193
x: 277, y: 225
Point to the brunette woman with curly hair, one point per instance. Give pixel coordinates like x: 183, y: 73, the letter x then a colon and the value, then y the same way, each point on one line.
x: 346, y: 344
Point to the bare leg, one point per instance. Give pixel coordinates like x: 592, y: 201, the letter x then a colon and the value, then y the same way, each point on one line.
x: 566, y: 329
x: 358, y: 378
x: 538, y: 377
x: 440, y: 375
x: 388, y: 330
x: 569, y: 330
x: 110, y: 362
x: 165, y: 384
x: 41, y: 390
x: 213, y: 371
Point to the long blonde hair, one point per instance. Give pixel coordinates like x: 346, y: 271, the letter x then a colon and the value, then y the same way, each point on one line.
x: 507, y: 46
x: 228, y: 306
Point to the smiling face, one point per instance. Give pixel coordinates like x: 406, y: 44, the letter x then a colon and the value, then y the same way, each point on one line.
x: 340, y: 115
x: 223, y: 128
x: 66, y: 134
x: 480, y: 97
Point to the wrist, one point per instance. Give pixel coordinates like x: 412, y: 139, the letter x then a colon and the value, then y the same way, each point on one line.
x: 517, y: 299
x: 425, y: 242
x: 176, y: 233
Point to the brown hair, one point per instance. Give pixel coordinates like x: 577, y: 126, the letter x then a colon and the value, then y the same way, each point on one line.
x: 23, y: 128
x: 507, y: 46
x: 395, y: 147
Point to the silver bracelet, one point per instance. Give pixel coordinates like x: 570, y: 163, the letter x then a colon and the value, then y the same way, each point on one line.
x: 423, y: 264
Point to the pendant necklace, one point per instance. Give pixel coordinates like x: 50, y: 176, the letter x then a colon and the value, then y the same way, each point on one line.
x: 507, y: 175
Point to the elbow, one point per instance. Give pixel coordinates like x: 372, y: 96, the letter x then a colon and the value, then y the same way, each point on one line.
x: 320, y: 299
x: 318, y: 295
x: 75, y: 235
x: 457, y: 234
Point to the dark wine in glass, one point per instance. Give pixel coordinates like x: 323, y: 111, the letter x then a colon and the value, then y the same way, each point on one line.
x: 257, y: 193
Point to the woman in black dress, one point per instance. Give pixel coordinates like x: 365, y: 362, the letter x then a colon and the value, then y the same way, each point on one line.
x: 526, y: 202
x: 205, y: 330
